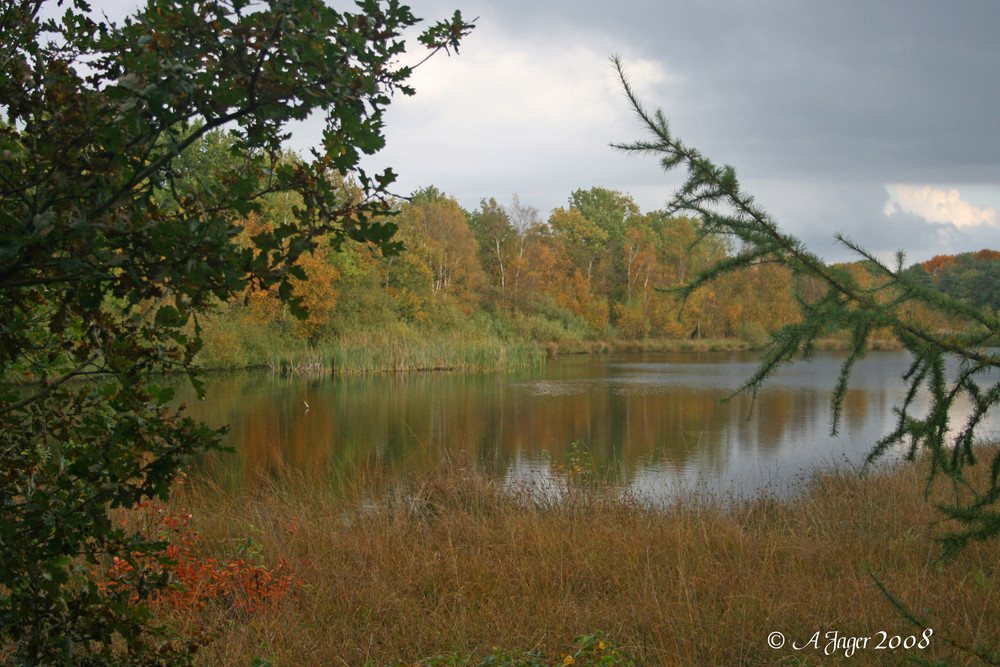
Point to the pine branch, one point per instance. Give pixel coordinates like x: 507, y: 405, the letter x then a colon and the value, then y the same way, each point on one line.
x: 713, y: 195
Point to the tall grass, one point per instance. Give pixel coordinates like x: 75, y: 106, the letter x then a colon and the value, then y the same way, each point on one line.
x: 386, y: 352
x: 404, y: 349
x: 454, y: 563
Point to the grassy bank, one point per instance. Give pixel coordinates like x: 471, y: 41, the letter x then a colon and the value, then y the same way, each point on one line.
x: 403, y: 348
x: 477, y: 342
x: 558, y: 348
x: 405, y: 351
x: 384, y: 352
x: 395, y: 347
x: 380, y: 352
x: 452, y: 564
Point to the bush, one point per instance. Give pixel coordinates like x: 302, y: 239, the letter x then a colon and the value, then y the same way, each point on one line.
x: 123, y: 182
x: 753, y: 333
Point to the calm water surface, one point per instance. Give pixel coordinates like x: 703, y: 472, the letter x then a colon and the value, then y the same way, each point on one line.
x: 654, y: 422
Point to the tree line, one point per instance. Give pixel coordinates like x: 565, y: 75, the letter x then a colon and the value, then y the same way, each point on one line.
x: 597, y: 268
x: 970, y: 276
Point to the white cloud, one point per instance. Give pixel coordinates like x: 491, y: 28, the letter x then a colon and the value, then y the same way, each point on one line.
x: 937, y: 205
x: 518, y: 83
x: 531, y: 112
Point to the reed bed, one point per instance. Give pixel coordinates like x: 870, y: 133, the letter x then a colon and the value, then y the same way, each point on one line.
x: 454, y: 563
x: 373, y: 354
x: 387, y: 353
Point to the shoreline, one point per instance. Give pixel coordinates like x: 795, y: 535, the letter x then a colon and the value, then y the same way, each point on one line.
x: 448, y: 354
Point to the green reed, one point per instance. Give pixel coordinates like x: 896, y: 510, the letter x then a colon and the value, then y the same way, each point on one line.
x: 388, y: 353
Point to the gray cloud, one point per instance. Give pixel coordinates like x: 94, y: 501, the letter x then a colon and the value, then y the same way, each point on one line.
x: 819, y: 105
x: 903, y: 90
x: 817, y: 211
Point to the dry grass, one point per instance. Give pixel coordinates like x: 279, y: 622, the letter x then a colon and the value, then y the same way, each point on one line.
x: 693, y: 345
x: 452, y: 562
x: 646, y: 345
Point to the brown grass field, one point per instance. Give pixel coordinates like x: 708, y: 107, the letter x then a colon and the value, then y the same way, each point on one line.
x: 453, y: 564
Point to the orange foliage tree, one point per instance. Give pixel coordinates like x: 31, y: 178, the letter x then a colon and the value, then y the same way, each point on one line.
x: 552, y: 271
x: 936, y: 264
x: 318, y: 290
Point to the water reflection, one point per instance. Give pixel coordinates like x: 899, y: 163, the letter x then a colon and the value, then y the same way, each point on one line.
x: 655, y: 422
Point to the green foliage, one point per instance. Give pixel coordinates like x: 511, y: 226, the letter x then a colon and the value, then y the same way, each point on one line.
x: 112, y: 245
x: 584, y: 237
x: 753, y: 333
x: 946, y: 366
x: 546, y: 321
x: 496, y: 238
x: 608, y: 209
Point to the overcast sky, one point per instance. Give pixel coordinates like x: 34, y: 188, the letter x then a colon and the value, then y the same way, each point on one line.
x: 877, y: 119
x: 874, y: 118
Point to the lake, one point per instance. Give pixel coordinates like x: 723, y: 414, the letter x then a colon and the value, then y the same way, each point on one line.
x: 653, y: 422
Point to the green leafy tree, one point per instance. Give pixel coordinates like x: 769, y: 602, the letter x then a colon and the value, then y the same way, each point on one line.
x: 612, y: 212
x: 946, y: 367
x: 608, y: 209
x: 101, y: 274
x: 584, y: 239
x: 495, y: 236
x: 972, y: 277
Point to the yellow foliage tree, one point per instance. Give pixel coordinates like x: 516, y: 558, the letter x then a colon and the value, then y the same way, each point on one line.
x: 440, y: 260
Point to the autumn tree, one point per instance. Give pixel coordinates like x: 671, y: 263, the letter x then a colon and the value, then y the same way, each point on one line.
x: 101, y: 274
x: 317, y: 290
x: 583, y: 238
x: 441, y: 252
x: 938, y: 263
x: 264, y: 309
x: 561, y: 264
x: 524, y: 222
x: 639, y: 259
